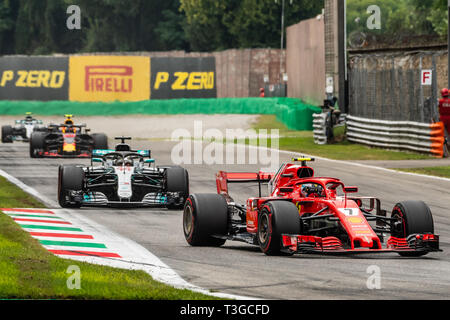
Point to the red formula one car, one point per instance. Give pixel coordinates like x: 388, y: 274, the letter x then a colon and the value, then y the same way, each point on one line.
x: 307, y: 214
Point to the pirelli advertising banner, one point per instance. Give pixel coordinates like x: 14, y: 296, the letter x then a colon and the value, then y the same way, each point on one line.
x: 106, y: 78
x: 34, y: 78
x: 109, y: 78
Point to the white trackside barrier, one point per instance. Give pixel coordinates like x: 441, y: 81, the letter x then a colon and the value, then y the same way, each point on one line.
x: 320, y: 136
x: 320, y: 128
x: 403, y: 135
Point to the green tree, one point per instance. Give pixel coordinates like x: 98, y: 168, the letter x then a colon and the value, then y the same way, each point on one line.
x: 8, y: 16
x: 204, y: 28
x: 39, y: 26
x: 215, y: 25
x: 400, y: 17
x: 170, y: 29
x: 438, y: 17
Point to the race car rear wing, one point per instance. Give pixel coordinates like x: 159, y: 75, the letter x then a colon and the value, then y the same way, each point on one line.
x: 223, y: 178
x: 102, y: 152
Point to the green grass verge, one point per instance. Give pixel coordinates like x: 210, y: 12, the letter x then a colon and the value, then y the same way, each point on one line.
x: 14, y: 197
x: 303, y: 142
x: 28, y: 271
x: 443, y: 171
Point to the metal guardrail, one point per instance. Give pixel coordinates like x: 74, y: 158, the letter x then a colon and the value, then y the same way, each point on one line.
x: 319, y: 126
x: 401, y: 135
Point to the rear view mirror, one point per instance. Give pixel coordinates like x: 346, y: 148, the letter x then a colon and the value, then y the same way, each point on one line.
x: 149, y: 161
x: 97, y: 160
x: 350, y: 189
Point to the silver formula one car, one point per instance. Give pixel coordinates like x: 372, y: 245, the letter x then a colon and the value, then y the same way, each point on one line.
x: 22, y: 129
x: 122, y: 178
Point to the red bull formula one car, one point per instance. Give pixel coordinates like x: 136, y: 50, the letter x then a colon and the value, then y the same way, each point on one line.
x: 307, y: 214
x: 66, y: 140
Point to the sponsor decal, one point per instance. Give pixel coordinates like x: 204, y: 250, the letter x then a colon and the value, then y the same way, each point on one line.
x: 69, y: 143
x: 34, y: 78
x: 186, y: 80
x: 109, y: 78
x: 363, y: 232
x: 349, y: 212
x: 101, y: 152
x: 355, y: 220
x: 183, y: 78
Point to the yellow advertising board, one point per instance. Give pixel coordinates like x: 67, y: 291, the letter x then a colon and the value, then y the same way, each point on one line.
x: 109, y: 78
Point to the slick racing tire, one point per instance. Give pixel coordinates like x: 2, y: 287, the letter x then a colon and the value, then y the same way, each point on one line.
x: 205, y: 215
x: 100, y: 141
x: 7, y: 133
x: 177, y: 181
x: 37, y: 142
x: 329, y: 127
x: 276, y: 218
x: 39, y: 129
x: 412, y: 217
x: 69, y: 178
x: 23, y: 132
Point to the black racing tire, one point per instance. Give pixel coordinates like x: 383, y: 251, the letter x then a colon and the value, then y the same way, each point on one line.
x: 23, y: 133
x: 100, y: 141
x: 276, y: 218
x: 7, y: 133
x: 37, y: 142
x: 329, y: 127
x: 413, y: 217
x: 39, y: 129
x: 205, y: 215
x: 69, y: 178
x: 177, y: 180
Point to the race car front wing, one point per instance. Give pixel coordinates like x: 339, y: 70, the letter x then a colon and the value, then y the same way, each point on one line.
x: 48, y: 154
x: 154, y: 199
x: 331, y: 245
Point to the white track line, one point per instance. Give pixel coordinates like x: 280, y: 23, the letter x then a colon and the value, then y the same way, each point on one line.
x: 28, y: 189
x: 346, y: 162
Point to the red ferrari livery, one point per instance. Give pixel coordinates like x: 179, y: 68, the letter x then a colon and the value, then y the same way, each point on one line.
x: 307, y: 214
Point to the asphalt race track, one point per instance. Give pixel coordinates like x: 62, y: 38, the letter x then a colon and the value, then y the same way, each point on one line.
x: 242, y: 269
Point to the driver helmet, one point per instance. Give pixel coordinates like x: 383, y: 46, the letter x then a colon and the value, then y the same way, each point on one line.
x: 68, y: 119
x: 128, y: 163
x: 444, y: 93
x: 312, y: 188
